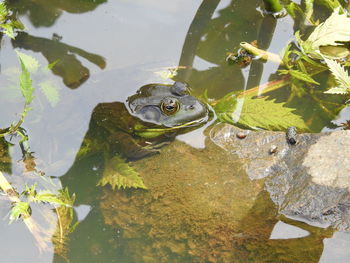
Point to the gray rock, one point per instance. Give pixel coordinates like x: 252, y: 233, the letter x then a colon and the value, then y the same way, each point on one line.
x: 310, y: 180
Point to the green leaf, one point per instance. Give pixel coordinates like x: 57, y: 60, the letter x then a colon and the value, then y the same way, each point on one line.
x: 30, y: 63
x: 3, y: 12
x: 262, y: 113
x: 53, y: 64
x: 29, y: 190
x: 8, y: 30
x: 337, y: 90
x: 335, y: 52
x: 291, y: 8
x: 334, y: 30
x: 119, y: 174
x: 26, y: 83
x: 302, y: 76
x: 225, y: 107
x: 309, y: 8
x: 341, y: 75
x: 19, y: 209
x: 51, y: 91
x: 48, y: 197
x: 285, y: 55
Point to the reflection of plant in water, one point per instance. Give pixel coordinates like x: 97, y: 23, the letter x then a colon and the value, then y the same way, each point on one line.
x: 73, y: 72
x: 45, y: 13
x: 67, y: 65
x: 47, y: 193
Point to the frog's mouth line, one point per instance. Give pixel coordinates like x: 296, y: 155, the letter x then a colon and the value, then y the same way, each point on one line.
x: 188, y: 124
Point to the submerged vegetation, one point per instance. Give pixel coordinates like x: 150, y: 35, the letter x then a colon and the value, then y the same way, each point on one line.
x: 327, y: 47
x: 41, y: 190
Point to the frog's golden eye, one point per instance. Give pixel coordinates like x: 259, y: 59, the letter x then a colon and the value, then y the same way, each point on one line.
x: 170, y: 106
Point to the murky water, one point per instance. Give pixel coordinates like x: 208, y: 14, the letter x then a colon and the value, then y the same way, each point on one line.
x: 199, y: 208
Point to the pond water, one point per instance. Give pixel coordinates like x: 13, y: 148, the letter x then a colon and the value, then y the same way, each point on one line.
x: 107, y: 50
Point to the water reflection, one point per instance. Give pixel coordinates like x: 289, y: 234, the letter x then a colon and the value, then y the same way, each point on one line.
x: 211, y: 38
x: 45, y: 13
x: 67, y: 66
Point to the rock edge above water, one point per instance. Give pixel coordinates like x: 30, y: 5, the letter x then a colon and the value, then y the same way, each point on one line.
x: 310, y: 180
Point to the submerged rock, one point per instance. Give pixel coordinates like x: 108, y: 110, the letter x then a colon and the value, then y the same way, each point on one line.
x: 201, y: 206
x: 310, y: 179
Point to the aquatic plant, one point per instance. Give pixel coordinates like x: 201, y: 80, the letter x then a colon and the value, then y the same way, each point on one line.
x: 8, y: 24
x: 326, y: 48
x: 48, y: 192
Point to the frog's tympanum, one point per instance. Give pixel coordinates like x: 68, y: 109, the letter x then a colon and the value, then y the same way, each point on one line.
x: 147, y: 121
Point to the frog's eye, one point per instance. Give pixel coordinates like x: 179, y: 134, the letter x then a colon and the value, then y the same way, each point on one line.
x: 169, y: 106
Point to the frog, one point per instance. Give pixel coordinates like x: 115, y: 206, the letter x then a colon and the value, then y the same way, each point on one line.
x: 122, y: 132
x: 152, y: 116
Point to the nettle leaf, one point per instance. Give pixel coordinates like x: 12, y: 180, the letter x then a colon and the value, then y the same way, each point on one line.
x: 47, y: 196
x: 51, y: 91
x: 25, y: 82
x: 298, y: 75
x: 19, y: 209
x: 332, y: 32
x: 225, y: 108
x: 337, y: 90
x: 341, y: 75
x: 302, y: 76
x: 264, y: 114
x: 3, y: 12
x: 119, y: 174
x: 30, y: 63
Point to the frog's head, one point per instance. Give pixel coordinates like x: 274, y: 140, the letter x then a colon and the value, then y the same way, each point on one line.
x: 170, y: 107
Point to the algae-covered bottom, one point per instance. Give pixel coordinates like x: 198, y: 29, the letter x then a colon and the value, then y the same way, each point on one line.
x: 202, y: 207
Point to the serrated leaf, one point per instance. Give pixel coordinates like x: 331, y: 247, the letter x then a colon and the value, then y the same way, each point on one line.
x: 339, y: 72
x: 302, y: 76
x: 341, y: 75
x: 26, y: 83
x: 334, y: 30
x: 225, y: 107
x: 51, y: 91
x: 337, y: 90
x: 48, y: 197
x: 3, y: 11
x: 19, y: 209
x: 263, y: 113
x: 119, y: 174
x: 30, y: 63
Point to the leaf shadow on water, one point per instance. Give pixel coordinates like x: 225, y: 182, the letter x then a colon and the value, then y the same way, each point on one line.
x: 67, y: 66
x: 44, y: 13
